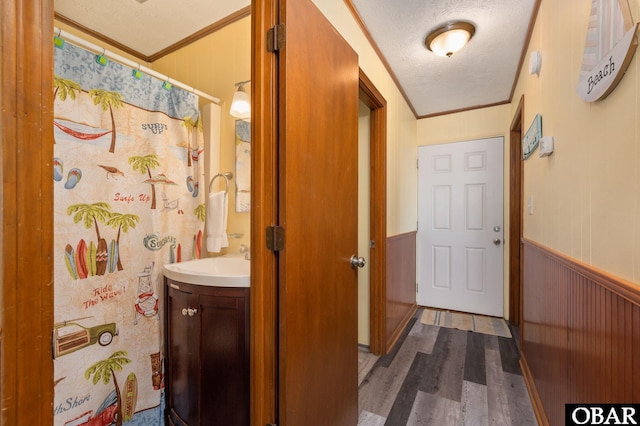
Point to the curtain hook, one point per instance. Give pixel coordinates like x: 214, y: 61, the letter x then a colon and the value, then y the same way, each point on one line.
x: 137, y: 74
x: 101, y: 59
x: 58, y: 41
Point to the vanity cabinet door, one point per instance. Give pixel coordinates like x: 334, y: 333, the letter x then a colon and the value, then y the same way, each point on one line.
x: 181, y: 348
x: 207, y: 355
x: 224, y: 366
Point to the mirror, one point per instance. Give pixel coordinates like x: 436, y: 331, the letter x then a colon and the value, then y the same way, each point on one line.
x: 243, y: 165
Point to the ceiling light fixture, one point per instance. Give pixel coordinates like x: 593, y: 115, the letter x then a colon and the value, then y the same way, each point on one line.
x: 241, y: 104
x: 449, y: 38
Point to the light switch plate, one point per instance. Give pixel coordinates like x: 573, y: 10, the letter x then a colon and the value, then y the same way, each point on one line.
x: 535, y: 62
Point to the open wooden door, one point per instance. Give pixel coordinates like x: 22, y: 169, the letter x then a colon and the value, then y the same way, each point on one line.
x: 318, y: 152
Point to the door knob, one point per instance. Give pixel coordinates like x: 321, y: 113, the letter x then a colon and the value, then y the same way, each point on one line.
x: 357, y: 262
x: 497, y: 241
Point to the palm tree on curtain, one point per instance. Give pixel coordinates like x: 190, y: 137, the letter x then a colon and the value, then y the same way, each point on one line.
x: 123, y: 222
x: 89, y: 215
x: 105, y: 370
x: 190, y: 124
x: 108, y: 101
x: 144, y: 164
x: 201, y: 212
x: 64, y: 88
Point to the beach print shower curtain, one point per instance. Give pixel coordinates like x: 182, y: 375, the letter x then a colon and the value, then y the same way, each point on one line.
x: 128, y: 199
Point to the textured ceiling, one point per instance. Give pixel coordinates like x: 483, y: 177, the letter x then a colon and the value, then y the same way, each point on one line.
x: 481, y: 74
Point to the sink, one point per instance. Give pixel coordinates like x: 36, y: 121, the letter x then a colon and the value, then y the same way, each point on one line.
x: 223, y: 271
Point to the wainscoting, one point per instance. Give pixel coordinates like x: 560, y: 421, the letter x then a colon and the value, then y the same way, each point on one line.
x: 400, y: 300
x: 580, y: 335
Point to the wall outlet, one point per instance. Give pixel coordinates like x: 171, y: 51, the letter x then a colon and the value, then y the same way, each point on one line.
x: 546, y: 146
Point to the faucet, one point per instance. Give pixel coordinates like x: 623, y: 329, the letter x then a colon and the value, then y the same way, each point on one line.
x: 245, y: 249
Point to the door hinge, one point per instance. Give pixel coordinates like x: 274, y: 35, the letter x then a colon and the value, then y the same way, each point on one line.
x: 275, y: 38
x: 275, y: 238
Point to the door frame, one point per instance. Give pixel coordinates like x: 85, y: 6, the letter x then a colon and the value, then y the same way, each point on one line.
x: 26, y: 206
x: 373, y: 99
x: 516, y: 197
x: 264, y: 202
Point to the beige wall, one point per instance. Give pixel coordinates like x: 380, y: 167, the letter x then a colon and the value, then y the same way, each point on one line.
x: 364, y: 213
x: 213, y: 65
x: 464, y: 126
x: 586, y: 195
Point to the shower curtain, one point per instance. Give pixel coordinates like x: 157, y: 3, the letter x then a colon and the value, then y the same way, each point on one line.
x: 128, y: 199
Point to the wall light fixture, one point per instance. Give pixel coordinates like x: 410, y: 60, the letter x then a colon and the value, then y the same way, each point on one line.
x: 241, y: 104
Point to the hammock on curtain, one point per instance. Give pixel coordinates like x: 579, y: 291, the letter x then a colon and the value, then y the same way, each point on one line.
x: 80, y: 135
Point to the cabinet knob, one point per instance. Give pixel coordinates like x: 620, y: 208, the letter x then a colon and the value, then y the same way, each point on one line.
x: 189, y: 311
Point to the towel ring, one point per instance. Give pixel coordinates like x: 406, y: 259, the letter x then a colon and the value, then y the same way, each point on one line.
x: 226, y: 176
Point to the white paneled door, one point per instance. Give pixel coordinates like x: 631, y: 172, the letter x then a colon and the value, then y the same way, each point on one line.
x: 460, y: 229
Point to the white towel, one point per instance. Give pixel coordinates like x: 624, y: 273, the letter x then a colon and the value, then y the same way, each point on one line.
x: 217, y: 221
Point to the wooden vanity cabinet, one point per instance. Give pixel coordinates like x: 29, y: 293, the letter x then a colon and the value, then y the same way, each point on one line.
x: 207, y: 354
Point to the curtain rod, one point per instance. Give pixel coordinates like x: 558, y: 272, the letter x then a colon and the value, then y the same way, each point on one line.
x: 118, y: 58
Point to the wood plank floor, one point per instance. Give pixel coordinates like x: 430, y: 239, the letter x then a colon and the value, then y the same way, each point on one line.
x: 444, y: 376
